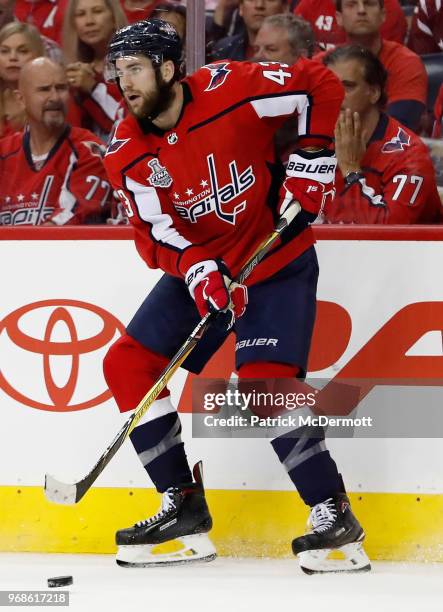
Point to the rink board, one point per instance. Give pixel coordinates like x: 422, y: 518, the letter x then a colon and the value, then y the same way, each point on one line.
x: 65, y: 300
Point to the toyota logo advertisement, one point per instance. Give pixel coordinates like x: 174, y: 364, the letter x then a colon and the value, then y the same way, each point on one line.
x: 57, y: 333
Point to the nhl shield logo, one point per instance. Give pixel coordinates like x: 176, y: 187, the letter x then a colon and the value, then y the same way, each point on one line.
x: 172, y: 138
x: 159, y: 176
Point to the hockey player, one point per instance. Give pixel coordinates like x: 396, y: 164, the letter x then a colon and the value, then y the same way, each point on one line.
x: 194, y: 166
x: 385, y: 173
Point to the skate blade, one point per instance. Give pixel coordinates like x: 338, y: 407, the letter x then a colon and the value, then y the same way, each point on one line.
x: 353, y: 559
x: 194, y: 548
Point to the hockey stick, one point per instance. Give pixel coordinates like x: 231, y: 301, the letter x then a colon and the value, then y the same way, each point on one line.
x: 69, y: 494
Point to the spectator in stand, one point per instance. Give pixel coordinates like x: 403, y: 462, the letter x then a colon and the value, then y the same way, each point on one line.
x: 19, y: 43
x: 253, y: 12
x: 407, y: 83
x: 88, y: 27
x: 385, y: 173
x: 321, y: 14
x: 52, y: 49
x: 52, y: 173
x: 46, y: 15
x: 284, y: 38
x: 426, y: 35
x: 225, y: 20
x: 175, y: 14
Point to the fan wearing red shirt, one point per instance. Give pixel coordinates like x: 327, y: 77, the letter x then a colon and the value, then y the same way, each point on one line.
x: 407, y: 83
x: 88, y: 27
x: 321, y: 14
x: 46, y: 15
x: 52, y: 173
x: 385, y: 174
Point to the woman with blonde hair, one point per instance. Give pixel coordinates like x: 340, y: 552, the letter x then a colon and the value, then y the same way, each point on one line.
x: 19, y: 44
x: 87, y: 29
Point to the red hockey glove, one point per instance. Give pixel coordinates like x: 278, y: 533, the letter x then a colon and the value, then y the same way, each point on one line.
x: 213, y: 290
x: 309, y: 179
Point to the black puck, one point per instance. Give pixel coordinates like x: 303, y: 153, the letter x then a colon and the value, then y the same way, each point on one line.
x: 60, y: 581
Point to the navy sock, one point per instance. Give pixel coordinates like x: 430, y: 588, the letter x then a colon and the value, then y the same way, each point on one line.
x: 160, y: 448
x: 309, y: 464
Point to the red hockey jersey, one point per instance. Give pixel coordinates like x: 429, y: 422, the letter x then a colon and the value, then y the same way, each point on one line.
x: 201, y: 190
x: 327, y: 32
x: 98, y: 110
x: 399, y: 182
x: 70, y: 187
x: 46, y: 15
x: 426, y: 35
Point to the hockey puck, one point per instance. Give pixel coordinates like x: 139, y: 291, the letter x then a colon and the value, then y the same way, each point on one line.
x: 60, y: 581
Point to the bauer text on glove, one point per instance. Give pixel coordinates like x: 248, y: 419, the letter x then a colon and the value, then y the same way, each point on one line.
x: 309, y: 179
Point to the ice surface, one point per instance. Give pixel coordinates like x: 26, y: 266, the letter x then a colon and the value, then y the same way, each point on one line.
x: 228, y: 585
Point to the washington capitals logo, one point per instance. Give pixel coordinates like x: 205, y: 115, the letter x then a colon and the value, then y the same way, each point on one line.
x: 217, y: 197
x: 116, y: 145
x: 219, y: 72
x: 398, y: 143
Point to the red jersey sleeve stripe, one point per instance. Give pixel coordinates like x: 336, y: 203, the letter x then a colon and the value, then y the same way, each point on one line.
x: 248, y: 100
x: 150, y: 210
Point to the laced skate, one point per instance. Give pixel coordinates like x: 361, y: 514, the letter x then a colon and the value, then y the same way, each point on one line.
x: 335, y: 532
x: 183, y: 521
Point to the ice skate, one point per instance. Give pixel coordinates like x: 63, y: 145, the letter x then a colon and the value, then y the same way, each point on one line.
x: 183, y: 520
x: 335, y: 541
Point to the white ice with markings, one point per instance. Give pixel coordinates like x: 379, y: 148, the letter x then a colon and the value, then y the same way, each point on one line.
x: 225, y: 585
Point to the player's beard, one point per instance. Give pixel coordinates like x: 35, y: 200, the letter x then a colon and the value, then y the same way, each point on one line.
x: 158, y: 101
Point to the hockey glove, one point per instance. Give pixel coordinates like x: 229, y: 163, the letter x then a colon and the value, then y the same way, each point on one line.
x: 213, y: 290
x: 309, y: 180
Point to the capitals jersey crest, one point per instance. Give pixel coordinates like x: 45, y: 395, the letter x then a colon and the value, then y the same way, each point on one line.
x: 115, y: 145
x: 219, y: 74
x: 398, y: 143
x: 216, y: 197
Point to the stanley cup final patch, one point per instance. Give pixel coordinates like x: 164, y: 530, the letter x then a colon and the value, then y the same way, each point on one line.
x: 159, y: 176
